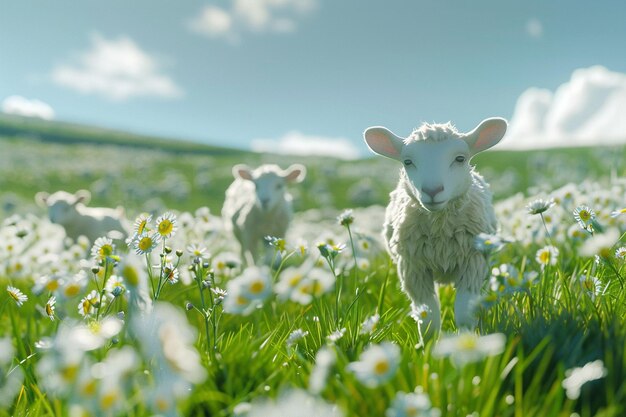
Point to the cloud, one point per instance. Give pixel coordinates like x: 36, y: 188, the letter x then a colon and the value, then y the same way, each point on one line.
x: 260, y: 16
x: 27, y: 107
x: 584, y: 111
x: 297, y: 143
x: 534, y: 28
x: 117, y: 69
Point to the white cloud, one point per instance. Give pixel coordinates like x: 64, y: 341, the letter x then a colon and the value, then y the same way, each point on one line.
x: 534, y: 28
x: 117, y: 69
x: 260, y: 16
x: 586, y: 110
x: 297, y: 143
x: 27, y: 107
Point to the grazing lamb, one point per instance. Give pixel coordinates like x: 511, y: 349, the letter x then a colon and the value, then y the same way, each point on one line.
x: 257, y: 205
x: 69, y: 211
x: 437, y: 209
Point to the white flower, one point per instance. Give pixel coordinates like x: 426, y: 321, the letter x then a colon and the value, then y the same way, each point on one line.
x: 296, y: 336
x: 600, y: 244
x: 295, y: 403
x: 6, y: 350
x: 316, y: 283
x: 539, y: 206
x: 50, y: 307
x: 336, y: 335
x: 577, y: 377
x: 468, y: 347
x: 420, y: 313
x: 167, y: 225
x: 324, y: 361
x: 487, y: 243
x: 369, y: 324
x: 16, y: 295
x: 585, y: 217
x: 103, y: 249
x: 619, y: 212
x: 88, y: 305
x: 620, y: 253
x: 410, y: 405
x: 377, y: 364
x: 547, y: 255
x: 248, y: 291
x: 592, y: 286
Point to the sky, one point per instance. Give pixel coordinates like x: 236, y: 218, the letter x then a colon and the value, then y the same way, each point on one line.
x: 308, y: 76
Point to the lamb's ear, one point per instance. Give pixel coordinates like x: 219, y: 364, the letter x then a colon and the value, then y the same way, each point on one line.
x: 487, y: 134
x: 242, y: 171
x: 82, y: 196
x: 41, y: 198
x: 383, y: 142
x: 295, y: 173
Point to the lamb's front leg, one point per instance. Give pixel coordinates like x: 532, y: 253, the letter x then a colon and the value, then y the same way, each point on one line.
x: 420, y: 287
x: 468, y: 292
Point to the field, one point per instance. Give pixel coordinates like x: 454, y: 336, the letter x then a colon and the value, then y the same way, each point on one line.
x: 327, y: 332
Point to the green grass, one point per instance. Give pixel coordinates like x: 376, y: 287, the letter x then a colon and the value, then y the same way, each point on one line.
x: 550, y: 326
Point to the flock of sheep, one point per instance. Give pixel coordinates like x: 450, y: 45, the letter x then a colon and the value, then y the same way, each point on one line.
x: 437, y: 209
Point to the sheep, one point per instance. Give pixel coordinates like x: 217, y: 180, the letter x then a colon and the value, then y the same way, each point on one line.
x: 69, y: 211
x: 257, y: 205
x: 437, y: 209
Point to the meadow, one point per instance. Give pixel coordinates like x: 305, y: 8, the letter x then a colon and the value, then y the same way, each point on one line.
x: 101, y: 328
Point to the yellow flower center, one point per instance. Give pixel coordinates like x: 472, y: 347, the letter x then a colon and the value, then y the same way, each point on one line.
x: 411, y: 411
x: 108, y: 400
x: 588, y: 284
x: 584, y: 215
x: 605, y: 253
x: 242, y: 301
x: 257, y: 287
x: 14, y: 296
x: 381, y: 367
x: 145, y: 243
x: 544, y: 257
x: 162, y: 404
x: 165, y: 227
x: 69, y: 373
x: 52, y: 285
x: 131, y: 275
x: 293, y: 281
x: 72, y: 290
x: 142, y: 226
x: 87, y: 306
x: 467, y: 343
x: 49, y: 310
x: 105, y: 251
x: 90, y: 387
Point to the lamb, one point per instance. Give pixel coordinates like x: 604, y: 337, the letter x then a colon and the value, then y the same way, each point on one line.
x: 69, y: 210
x: 435, y: 213
x: 257, y: 205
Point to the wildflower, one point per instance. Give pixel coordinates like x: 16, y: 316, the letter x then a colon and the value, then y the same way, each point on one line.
x: 248, y: 291
x: 73, y: 286
x: 146, y: 243
x: 289, y: 280
x: 620, y: 253
x: 103, y: 249
x: 296, y: 336
x: 167, y: 224
x: 468, y: 347
x: 420, y: 313
x: 142, y: 224
x: 295, y: 403
x: 330, y: 251
x: 369, y: 324
x: 115, y: 284
x: 585, y: 217
x: 577, y: 377
x: 539, y: 206
x: 49, y: 283
x: 487, y: 243
x: 171, y: 273
x: 50, y: 307
x: 591, y: 285
x: 219, y: 293
x: 411, y: 404
x: 87, y: 306
x: 600, y: 244
x: 198, y: 252
x: 10, y: 383
x: 324, y: 361
x: 547, y: 255
x: 619, y: 212
x: 279, y: 243
x: 336, y: 335
x: 317, y: 282
x: 377, y: 364
x: 16, y: 295
x: 346, y: 218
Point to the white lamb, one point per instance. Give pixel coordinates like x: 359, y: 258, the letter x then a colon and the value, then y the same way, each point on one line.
x: 437, y: 209
x: 69, y: 211
x: 257, y: 205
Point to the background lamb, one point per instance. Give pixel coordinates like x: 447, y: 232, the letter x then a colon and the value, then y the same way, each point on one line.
x: 69, y: 210
x: 257, y: 205
x: 436, y: 211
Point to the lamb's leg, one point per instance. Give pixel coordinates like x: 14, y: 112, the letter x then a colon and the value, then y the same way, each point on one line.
x: 468, y: 292
x: 420, y: 287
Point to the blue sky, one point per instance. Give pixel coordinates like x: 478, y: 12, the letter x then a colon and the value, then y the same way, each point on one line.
x: 263, y: 73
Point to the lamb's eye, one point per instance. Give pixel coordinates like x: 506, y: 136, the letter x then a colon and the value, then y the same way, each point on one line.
x: 460, y: 158
x: 408, y: 162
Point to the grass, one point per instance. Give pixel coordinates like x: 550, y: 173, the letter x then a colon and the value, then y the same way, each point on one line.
x: 551, y: 325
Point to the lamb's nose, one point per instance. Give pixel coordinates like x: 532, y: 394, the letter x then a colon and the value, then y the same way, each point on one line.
x: 432, y: 192
x: 265, y: 202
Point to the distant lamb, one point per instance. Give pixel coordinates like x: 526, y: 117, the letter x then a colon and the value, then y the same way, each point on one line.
x: 69, y: 211
x: 257, y: 205
x: 436, y: 211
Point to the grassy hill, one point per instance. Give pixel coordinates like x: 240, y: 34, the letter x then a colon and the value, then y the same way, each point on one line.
x: 150, y: 173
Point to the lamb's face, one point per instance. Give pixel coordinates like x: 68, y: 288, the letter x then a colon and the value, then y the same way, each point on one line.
x: 61, y: 207
x: 270, y: 190
x: 438, y: 172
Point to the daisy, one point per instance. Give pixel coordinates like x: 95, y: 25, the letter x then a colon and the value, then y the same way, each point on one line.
x: 619, y: 212
x: 50, y: 307
x: 142, y: 224
x: 346, y: 218
x: 88, y: 305
x: 296, y: 336
x: 539, y: 206
x: 577, y: 377
x: 115, y: 285
x: 469, y: 347
x: 620, y: 253
x: 411, y: 404
x: 600, y: 244
x: 16, y: 295
x: 487, y: 243
x: 171, y: 273
x: 547, y: 255
x: 198, y: 252
x: 103, y: 249
x: 585, y: 217
x: 377, y: 364
x: 324, y: 361
x: 146, y: 243
x: 370, y: 323
x: 166, y: 224
x: 336, y: 335
x: 591, y: 285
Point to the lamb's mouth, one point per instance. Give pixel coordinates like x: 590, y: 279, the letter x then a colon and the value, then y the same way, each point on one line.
x: 434, y: 205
